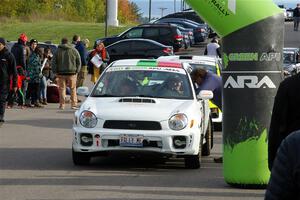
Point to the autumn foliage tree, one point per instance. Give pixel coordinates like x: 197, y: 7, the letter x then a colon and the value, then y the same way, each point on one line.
x: 71, y: 10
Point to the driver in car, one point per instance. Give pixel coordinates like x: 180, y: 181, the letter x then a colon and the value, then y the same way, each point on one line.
x: 127, y: 88
x: 173, y: 86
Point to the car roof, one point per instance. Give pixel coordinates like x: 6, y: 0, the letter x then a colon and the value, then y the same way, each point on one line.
x: 191, y: 59
x: 147, y: 62
x: 291, y: 49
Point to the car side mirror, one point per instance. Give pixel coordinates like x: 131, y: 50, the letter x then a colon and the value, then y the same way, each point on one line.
x: 83, y: 91
x: 205, y: 95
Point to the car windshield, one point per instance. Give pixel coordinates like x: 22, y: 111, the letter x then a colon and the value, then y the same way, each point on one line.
x: 289, y: 57
x: 211, y: 68
x: 155, y: 82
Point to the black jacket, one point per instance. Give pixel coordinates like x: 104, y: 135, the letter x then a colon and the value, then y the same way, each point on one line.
x: 285, y: 116
x: 284, y: 183
x: 296, y: 12
x: 19, y: 52
x: 7, y: 68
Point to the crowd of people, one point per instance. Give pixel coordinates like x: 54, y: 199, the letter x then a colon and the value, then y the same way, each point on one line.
x: 33, y: 77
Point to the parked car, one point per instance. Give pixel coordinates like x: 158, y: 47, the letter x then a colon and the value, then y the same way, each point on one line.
x: 209, y: 63
x: 289, y: 14
x: 137, y: 48
x: 187, y: 14
x: 188, y: 35
x: 200, y: 31
x: 143, y: 106
x: 291, y: 61
x: 163, y: 33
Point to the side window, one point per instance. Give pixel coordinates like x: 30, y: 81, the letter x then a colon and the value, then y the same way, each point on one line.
x: 135, y: 33
x: 151, y: 32
x: 142, y: 45
x: 165, y: 32
x: 121, y: 46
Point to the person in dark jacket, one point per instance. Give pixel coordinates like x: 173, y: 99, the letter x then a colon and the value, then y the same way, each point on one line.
x: 206, y: 80
x: 285, y: 116
x: 296, y: 15
x: 66, y: 65
x: 285, y: 176
x: 79, y: 45
x: 34, y: 74
x: 7, y: 69
x: 20, y: 52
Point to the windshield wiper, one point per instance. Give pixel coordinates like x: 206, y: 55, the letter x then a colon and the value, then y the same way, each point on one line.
x: 104, y: 95
x: 149, y: 96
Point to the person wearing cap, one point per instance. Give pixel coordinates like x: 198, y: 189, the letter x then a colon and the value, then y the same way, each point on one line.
x: 7, y: 70
x: 103, y: 54
x: 66, y: 64
x: 79, y: 45
x: 213, y: 48
x: 21, y: 53
x: 34, y: 75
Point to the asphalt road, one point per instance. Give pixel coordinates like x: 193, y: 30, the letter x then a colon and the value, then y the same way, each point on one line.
x: 35, y: 163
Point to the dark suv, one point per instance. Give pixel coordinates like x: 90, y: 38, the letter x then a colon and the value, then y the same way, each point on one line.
x: 163, y: 33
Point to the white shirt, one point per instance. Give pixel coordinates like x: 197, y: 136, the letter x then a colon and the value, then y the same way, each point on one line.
x: 212, y: 49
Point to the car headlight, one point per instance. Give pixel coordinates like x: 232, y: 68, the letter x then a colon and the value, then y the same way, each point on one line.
x: 178, y: 122
x: 88, y: 119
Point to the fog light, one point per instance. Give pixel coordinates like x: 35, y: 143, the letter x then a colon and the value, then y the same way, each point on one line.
x: 179, y: 142
x: 86, y: 139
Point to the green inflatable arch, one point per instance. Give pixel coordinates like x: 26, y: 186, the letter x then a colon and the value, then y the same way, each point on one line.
x: 252, y: 42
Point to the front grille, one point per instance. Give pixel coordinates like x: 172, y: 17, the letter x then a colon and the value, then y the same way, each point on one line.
x: 137, y: 100
x: 132, y: 125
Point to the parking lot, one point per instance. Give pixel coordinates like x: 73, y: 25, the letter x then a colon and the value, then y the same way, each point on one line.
x: 36, y: 163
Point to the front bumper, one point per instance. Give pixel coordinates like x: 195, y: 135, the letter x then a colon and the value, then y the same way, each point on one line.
x: 108, y: 140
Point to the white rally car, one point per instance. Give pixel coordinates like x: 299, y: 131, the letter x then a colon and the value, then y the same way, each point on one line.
x: 143, y: 106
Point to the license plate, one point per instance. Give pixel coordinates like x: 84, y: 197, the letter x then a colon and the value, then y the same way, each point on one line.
x: 131, y: 140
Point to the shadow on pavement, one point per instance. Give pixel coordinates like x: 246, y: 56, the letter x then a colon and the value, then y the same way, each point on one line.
x: 44, y: 123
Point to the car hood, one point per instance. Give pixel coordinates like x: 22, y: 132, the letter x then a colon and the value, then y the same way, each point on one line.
x: 158, y: 110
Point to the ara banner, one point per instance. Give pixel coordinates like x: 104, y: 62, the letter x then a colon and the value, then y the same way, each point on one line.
x: 251, y: 34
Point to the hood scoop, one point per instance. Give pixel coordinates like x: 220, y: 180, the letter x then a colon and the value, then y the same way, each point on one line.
x: 136, y: 100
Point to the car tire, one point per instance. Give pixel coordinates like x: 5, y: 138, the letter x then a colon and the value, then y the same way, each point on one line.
x: 80, y: 158
x: 209, y: 140
x: 194, y: 161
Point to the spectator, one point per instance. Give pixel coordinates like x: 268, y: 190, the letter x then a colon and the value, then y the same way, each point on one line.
x: 66, y: 64
x: 285, y: 176
x: 79, y: 45
x: 21, y: 53
x: 206, y: 80
x: 101, y: 51
x: 34, y: 74
x: 7, y: 69
x: 296, y: 14
x: 285, y: 116
x: 213, y: 49
x: 47, y: 74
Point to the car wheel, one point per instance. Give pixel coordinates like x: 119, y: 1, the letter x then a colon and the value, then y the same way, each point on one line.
x: 209, y: 140
x: 81, y: 158
x: 194, y: 161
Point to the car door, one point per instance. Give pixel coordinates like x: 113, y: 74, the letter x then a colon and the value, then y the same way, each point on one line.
x: 119, y: 50
x: 151, y: 33
x: 144, y: 49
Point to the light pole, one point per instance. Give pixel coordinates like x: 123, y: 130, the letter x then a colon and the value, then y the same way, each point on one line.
x: 106, y: 26
x: 174, y: 6
x: 149, y: 10
x: 162, y: 11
